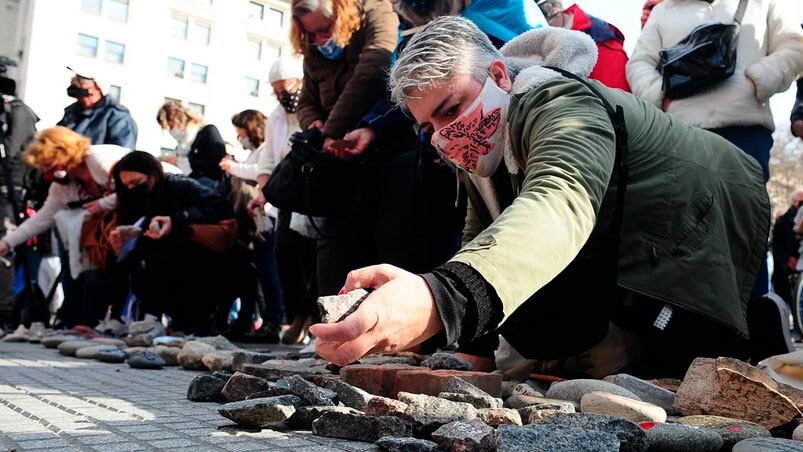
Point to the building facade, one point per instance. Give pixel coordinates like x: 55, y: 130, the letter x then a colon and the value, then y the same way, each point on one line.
x: 212, y: 55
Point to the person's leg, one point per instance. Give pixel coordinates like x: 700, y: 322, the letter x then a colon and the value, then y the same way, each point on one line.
x: 7, y: 273
x: 272, y: 308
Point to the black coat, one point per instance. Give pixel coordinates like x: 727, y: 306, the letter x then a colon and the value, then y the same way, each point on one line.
x: 19, y: 129
x: 206, y: 152
x: 107, y: 122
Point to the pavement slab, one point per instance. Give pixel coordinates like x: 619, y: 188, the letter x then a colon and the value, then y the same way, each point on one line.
x: 53, y: 402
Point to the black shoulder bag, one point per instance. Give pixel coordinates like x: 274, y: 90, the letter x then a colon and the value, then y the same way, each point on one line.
x: 311, y: 181
x: 701, y: 60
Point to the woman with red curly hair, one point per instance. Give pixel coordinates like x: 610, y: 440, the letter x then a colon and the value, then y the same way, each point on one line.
x: 347, y: 47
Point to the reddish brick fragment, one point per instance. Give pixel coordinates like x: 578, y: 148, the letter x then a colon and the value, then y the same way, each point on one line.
x: 375, y: 379
x: 433, y: 382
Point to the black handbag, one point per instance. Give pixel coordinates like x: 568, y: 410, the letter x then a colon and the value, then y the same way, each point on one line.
x: 311, y: 181
x: 704, y: 58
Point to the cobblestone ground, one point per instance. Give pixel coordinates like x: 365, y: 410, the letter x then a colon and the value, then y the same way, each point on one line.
x: 52, y: 402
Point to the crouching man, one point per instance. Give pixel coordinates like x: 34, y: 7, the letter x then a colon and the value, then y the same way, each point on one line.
x: 647, y: 248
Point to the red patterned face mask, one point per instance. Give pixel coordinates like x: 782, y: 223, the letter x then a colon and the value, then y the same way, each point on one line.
x: 472, y: 141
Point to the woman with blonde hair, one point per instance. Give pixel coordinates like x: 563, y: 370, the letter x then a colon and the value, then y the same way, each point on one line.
x: 347, y: 47
x: 200, y: 147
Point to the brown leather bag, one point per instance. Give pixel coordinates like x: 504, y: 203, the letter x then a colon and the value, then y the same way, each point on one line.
x: 95, y: 231
x: 217, y: 237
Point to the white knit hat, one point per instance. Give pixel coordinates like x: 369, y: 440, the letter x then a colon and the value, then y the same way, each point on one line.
x: 286, y: 68
x: 83, y: 72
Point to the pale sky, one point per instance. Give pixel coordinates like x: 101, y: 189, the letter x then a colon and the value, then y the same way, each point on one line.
x: 626, y: 15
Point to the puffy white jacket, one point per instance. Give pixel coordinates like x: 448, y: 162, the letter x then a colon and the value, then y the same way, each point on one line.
x: 769, y: 57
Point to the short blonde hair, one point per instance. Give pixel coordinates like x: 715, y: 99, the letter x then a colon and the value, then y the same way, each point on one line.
x: 347, y: 15
x: 174, y: 111
x: 57, y: 146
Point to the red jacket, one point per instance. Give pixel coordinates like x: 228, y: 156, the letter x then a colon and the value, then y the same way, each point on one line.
x: 610, y: 68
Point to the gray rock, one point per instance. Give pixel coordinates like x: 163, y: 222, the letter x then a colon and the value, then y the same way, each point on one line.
x: 259, y: 413
x: 519, y: 402
x: 460, y: 386
x: 395, y: 444
x: 797, y: 434
x: 93, y: 351
x: 311, y: 393
x: 525, y: 390
x: 449, y: 361
x: 383, y: 406
x: 358, y: 427
x: 574, y: 390
x: 219, y: 360
x: 131, y: 351
x: 476, y: 401
x: 499, y: 416
x: 534, y: 413
x: 279, y: 368
x: 680, y: 438
x: 304, y: 416
x: 272, y: 391
x: 145, y: 360
x: 168, y: 354
x: 219, y: 342
x: 144, y: 326
x: 632, y: 437
x: 14, y: 337
x: 647, y: 391
x: 732, y: 431
x: 240, y: 357
x: 389, y: 359
x: 468, y: 436
x: 139, y: 340
x: 224, y: 375
x: 70, y: 347
x: 349, y: 395
x: 768, y: 445
x: 421, y: 405
x: 191, y: 355
x: 205, y: 388
x: 54, y: 341
x: 110, y: 341
x: 241, y: 385
x: 554, y: 439
x: 112, y: 355
x: 337, y: 307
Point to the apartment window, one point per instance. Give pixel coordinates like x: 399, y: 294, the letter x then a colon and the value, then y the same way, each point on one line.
x: 178, y: 27
x: 201, y: 33
x: 175, y: 67
x: 255, y: 49
x: 256, y: 10
x: 87, y: 45
x: 172, y: 99
x: 197, y: 108
x: 275, y: 17
x: 198, y: 73
x: 115, y: 52
x: 273, y: 52
x: 118, y: 10
x: 252, y: 86
x: 115, y: 92
x: 91, y: 6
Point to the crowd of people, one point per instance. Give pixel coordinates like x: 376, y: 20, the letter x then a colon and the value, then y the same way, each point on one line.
x: 515, y: 186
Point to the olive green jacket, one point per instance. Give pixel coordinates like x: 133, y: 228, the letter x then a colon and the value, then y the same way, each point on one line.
x: 696, y: 211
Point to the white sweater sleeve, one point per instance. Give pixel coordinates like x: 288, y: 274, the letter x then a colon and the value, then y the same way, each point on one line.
x: 245, y: 170
x: 39, y: 223
x: 266, y: 163
x: 784, y: 61
x: 644, y: 79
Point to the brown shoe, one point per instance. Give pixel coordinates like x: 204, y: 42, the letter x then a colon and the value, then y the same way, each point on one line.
x: 297, y: 330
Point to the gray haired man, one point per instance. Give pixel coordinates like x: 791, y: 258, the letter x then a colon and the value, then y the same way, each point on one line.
x: 553, y: 253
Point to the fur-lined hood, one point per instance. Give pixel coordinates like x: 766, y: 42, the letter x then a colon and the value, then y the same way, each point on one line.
x: 569, y: 50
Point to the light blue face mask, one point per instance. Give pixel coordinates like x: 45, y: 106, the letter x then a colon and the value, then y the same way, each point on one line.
x: 330, y: 50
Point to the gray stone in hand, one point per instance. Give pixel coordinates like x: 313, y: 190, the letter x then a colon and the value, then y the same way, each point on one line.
x: 337, y: 307
x: 259, y: 413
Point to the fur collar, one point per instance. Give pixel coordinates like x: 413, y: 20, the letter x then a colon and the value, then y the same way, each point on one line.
x: 569, y: 50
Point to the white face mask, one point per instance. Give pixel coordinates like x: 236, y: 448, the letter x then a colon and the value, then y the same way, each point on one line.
x: 179, y: 135
x: 245, y: 142
x: 472, y: 141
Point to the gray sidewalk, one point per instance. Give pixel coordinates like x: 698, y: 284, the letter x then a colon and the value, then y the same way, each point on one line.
x: 53, y: 402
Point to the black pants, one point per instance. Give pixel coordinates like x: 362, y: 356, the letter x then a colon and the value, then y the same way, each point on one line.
x: 6, y: 273
x: 295, y: 260
x: 406, y: 216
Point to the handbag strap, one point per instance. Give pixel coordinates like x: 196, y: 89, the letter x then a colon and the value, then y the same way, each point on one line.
x: 740, y: 12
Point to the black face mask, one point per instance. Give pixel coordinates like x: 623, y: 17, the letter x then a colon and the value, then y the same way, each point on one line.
x: 137, y: 196
x: 289, y: 101
x: 76, y: 92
